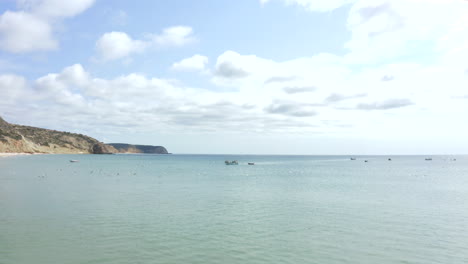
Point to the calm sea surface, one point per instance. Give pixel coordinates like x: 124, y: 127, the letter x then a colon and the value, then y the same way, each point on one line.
x: 194, y: 209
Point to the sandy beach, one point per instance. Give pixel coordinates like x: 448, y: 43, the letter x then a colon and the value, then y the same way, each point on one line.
x: 13, y: 154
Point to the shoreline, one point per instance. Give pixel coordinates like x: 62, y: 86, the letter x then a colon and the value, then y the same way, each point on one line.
x: 13, y: 154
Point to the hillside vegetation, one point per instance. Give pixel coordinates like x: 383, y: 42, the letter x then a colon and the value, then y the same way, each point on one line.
x: 128, y: 148
x: 26, y: 139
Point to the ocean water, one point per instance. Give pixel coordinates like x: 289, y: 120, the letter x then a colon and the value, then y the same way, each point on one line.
x: 194, y: 209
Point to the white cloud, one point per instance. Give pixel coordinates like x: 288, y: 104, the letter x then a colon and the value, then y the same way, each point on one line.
x: 23, y: 32
x: 117, y: 45
x: 316, y: 5
x: 75, y: 75
x: 324, y: 97
x: 195, y: 63
x: 387, y: 30
x: 12, y: 88
x: 56, y: 8
x: 174, y: 36
x: 231, y: 66
x: 31, y: 29
x: 339, y: 92
x: 385, y: 105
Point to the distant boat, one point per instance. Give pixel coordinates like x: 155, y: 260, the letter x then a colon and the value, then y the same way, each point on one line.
x: 234, y: 162
x: 366, y: 161
x: 353, y: 158
x: 74, y: 161
x: 389, y: 159
x: 428, y: 159
x: 251, y: 163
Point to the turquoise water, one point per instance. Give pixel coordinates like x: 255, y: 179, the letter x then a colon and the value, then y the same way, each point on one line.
x: 194, y: 209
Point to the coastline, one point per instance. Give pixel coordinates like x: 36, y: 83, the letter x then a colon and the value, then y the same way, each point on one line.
x: 8, y: 154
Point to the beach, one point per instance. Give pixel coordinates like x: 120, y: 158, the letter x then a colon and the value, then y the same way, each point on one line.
x: 16, y: 154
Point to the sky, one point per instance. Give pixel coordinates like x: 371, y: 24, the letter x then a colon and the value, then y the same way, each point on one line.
x: 321, y: 77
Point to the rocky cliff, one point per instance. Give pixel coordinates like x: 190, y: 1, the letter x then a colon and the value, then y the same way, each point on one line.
x: 127, y: 148
x: 25, y: 139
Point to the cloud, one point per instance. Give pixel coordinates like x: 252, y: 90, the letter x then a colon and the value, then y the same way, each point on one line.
x: 383, y: 30
x: 299, y: 89
x: 56, y: 8
x: 75, y: 76
x: 144, y: 103
x: 373, y: 13
x: 388, y: 78
x: 228, y: 70
x: 333, y: 98
x: 12, y: 88
x: 22, y: 32
x: 195, y: 63
x: 280, y: 79
x: 174, y: 36
x: 117, y: 45
x: 291, y: 109
x: 385, y: 105
x: 232, y: 66
x: 460, y: 97
x: 31, y: 29
x: 316, y: 6
x: 135, y: 103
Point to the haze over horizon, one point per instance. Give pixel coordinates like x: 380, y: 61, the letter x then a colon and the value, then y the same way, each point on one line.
x: 242, y: 77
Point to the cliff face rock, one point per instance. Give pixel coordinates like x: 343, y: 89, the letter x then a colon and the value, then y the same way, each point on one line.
x: 25, y: 139
x: 127, y: 148
x: 3, y: 123
x: 101, y: 148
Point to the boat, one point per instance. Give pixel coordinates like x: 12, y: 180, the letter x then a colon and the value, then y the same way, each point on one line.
x: 353, y: 158
x: 74, y: 161
x: 428, y: 159
x: 251, y: 163
x: 389, y: 159
x: 234, y: 162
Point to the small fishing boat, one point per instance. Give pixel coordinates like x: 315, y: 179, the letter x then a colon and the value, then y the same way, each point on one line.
x: 251, y: 163
x: 234, y: 162
x: 353, y: 158
x: 74, y: 161
x: 428, y: 159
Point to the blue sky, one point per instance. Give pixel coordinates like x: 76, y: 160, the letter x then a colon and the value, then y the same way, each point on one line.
x: 244, y: 26
x: 248, y: 76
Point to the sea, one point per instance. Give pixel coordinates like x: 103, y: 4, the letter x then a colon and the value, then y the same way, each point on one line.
x: 130, y: 209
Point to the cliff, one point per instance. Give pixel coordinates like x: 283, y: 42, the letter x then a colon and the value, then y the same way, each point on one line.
x: 25, y: 139
x: 127, y: 148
